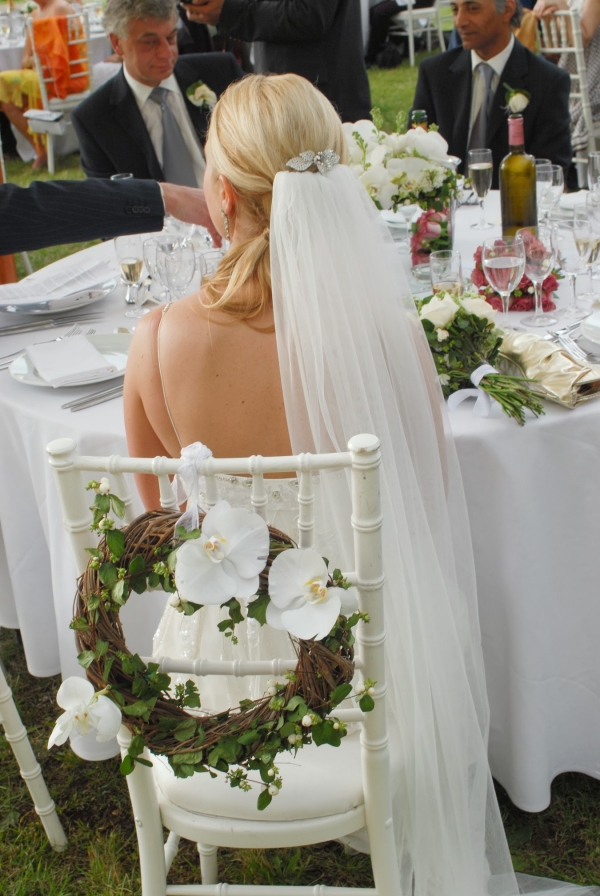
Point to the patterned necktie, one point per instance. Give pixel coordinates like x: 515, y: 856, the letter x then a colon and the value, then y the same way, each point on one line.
x: 177, y: 163
x: 479, y: 130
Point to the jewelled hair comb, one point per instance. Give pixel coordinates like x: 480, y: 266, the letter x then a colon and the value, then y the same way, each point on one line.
x: 324, y: 160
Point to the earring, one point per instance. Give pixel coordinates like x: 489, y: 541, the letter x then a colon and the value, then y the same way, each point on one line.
x: 226, y: 223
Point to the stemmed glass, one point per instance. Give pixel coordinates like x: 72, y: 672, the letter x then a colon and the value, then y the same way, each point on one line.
x: 569, y: 258
x: 5, y: 26
x: 593, y: 171
x: 503, y: 265
x: 540, y: 252
x: 150, y: 247
x: 584, y: 237
x: 481, y: 168
x: 543, y: 180
x: 180, y: 266
x: 549, y: 201
x: 131, y: 261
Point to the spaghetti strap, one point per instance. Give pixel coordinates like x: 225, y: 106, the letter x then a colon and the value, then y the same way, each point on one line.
x: 160, y: 373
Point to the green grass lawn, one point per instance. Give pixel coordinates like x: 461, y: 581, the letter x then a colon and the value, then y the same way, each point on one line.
x: 562, y: 842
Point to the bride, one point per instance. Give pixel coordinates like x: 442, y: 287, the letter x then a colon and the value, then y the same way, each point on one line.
x: 306, y: 336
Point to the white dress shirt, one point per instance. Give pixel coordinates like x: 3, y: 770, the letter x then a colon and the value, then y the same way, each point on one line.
x: 152, y: 115
x: 477, y: 87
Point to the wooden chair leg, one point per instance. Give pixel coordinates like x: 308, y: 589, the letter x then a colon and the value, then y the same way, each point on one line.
x: 209, y: 863
x: 16, y: 735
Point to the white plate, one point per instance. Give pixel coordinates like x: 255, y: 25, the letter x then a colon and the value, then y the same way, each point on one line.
x: 114, y: 347
x: 61, y: 303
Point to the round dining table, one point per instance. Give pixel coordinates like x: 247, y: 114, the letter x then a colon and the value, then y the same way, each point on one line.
x: 533, y: 496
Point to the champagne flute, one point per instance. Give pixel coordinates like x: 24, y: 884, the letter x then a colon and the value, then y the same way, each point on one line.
x: 584, y: 239
x: 540, y: 252
x: 504, y: 265
x: 569, y: 258
x: 593, y: 171
x: 481, y: 169
x: 180, y: 266
x: 543, y: 180
x: 131, y: 261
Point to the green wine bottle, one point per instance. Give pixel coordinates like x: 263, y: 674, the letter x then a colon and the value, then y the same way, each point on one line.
x: 517, y: 182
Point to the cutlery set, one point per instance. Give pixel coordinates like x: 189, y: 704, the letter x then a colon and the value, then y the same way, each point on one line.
x: 6, y: 360
x: 49, y: 323
x: 94, y: 398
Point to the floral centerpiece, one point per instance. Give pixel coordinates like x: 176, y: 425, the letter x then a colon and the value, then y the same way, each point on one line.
x: 522, y: 298
x: 465, y: 344
x: 402, y: 169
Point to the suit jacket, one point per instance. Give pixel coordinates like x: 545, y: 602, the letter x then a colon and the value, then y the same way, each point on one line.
x: 111, y: 131
x: 47, y: 214
x: 444, y: 91
x: 318, y: 39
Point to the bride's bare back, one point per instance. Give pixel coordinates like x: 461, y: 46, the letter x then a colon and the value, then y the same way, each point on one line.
x: 221, y: 381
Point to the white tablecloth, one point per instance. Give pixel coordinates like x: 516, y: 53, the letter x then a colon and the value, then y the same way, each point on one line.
x: 533, y: 495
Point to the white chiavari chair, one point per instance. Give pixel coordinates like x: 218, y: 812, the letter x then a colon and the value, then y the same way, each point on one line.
x: 411, y: 21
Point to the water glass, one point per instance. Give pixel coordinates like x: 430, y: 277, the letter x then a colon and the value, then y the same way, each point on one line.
x: 179, y: 266
x: 481, y: 169
x: 504, y: 265
x: 540, y: 253
x: 551, y: 198
x: 211, y: 261
x: 569, y: 259
x: 543, y: 180
x: 446, y: 272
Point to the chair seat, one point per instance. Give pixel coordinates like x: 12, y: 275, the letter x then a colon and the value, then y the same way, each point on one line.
x: 318, y: 782
x: 71, y: 100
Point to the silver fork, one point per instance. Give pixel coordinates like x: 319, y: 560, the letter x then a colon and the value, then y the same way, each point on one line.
x: 76, y: 330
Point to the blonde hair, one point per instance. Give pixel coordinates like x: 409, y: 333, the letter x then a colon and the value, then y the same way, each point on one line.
x: 257, y: 126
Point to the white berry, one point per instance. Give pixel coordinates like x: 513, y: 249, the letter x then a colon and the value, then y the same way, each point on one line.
x: 307, y: 721
x: 104, y: 486
x: 273, y: 789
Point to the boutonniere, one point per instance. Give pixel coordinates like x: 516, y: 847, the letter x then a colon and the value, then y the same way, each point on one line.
x: 199, y: 94
x: 516, y: 100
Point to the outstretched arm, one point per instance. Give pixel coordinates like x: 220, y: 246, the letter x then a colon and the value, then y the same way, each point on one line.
x: 277, y: 21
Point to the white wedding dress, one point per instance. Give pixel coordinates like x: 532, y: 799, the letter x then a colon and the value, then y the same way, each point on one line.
x: 353, y: 358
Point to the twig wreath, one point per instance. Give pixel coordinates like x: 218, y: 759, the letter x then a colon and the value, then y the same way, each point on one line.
x: 224, y: 551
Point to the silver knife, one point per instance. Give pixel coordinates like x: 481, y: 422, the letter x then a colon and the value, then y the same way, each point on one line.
x: 34, y: 326
x: 98, y: 400
x: 91, y: 396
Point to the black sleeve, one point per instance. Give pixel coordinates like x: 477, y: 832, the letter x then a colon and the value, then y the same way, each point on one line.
x: 278, y: 21
x: 552, y: 131
x: 94, y: 161
x: 55, y: 212
x: 423, y: 98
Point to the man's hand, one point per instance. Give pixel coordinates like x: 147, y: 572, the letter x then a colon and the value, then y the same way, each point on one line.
x: 188, y: 204
x: 206, y: 11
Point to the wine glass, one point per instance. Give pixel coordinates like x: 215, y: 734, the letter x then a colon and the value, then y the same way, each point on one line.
x: 540, y: 253
x: 593, y: 171
x: 504, y: 265
x: 549, y: 201
x: 569, y: 259
x: 543, y: 179
x: 5, y: 26
x: 211, y: 261
x: 130, y: 256
x: 446, y: 272
x: 481, y: 169
x: 180, y: 266
x: 150, y: 246
x: 584, y: 238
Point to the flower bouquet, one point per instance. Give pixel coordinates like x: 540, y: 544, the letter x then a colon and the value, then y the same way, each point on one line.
x: 522, y: 298
x: 402, y: 169
x: 465, y: 344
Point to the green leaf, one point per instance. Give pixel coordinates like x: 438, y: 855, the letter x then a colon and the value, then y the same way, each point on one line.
x: 340, y: 693
x: 118, y: 506
x: 79, y: 624
x: 235, y: 610
x: 108, y: 573
x: 141, y: 708
x: 172, y: 561
x: 101, y: 648
x: 138, y: 584
x: 94, y: 552
x: 326, y: 734
x: 263, y: 800
x: 153, y: 580
x: 138, y: 564
x: 107, y: 667
x: 86, y: 658
x: 248, y: 737
x: 167, y: 584
x: 119, y: 592
x: 185, y: 730
x: 127, y: 766
x: 101, y: 504
x: 366, y: 703
x: 257, y: 609
x: 115, y: 540
x: 184, y: 535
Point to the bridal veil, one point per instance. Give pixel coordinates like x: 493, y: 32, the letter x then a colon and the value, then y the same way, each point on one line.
x: 353, y: 359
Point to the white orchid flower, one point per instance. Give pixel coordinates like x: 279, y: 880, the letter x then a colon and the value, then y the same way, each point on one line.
x: 366, y: 129
x: 377, y: 155
x: 301, y: 603
x: 84, y: 712
x: 395, y: 142
x: 429, y: 144
x: 376, y: 180
x: 227, y: 558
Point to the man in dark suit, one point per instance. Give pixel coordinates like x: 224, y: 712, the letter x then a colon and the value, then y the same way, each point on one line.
x: 141, y: 121
x: 453, y: 88
x: 65, y: 211
x: 318, y: 39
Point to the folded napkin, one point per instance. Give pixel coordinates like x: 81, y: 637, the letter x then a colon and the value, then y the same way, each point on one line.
x: 69, y: 362
x: 558, y: 377
x: 568, y: 201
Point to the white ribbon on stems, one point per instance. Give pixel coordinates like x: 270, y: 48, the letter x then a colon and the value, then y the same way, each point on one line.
x: 186, y: 485
x: 483, y: 405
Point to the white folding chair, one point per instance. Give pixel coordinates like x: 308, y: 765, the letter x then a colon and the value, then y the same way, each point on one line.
x: 78, y: 44
x: 411, y: 21
x: 16, y: 735
x: 561, y: 33
x: 327, y: 793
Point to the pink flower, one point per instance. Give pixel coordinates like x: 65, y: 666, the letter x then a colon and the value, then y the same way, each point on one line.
x: 433, y: 229
x: 478, y: 278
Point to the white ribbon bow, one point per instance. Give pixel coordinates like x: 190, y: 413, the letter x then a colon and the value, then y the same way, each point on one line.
x: 186, y: 485
x: 483, y: 405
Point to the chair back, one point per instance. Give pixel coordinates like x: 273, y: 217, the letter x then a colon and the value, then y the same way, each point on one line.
x: 412, y: 21
x: 60, y: 47
x: 561, y: 35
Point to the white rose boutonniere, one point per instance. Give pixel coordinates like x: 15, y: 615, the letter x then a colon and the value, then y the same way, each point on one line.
x: 516, y: 100
x: 199, y: 94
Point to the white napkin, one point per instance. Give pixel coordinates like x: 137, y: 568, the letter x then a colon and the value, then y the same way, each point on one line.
x: 69, y: 362
x: 568, y: 201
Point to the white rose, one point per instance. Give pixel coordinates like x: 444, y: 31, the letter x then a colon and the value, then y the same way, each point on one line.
x: 518, y: 102
x: 480, y: 308
x: 442, y: 335
x: 203, y: 96
x: 440, y: 312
